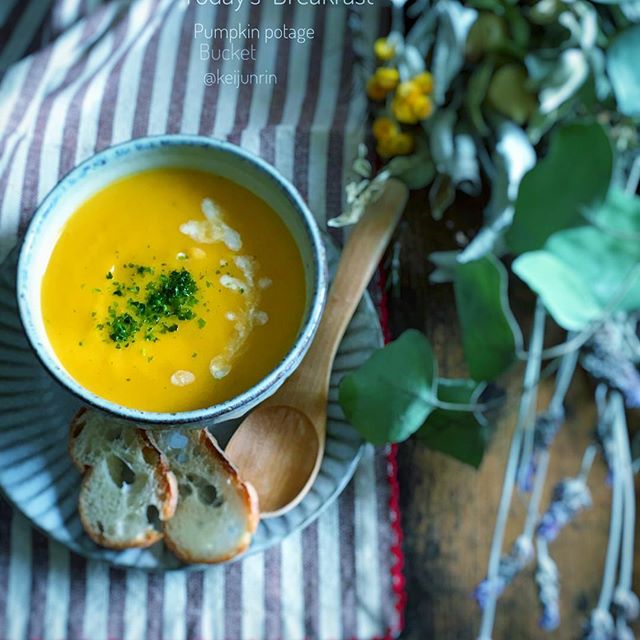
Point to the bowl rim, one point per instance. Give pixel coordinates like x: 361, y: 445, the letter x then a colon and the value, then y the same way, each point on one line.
x: 217, y: 412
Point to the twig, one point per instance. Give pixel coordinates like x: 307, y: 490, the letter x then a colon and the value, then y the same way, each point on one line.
x: 548, y: 422
x: 625, y: 600
x: 527, y: 403
x: 601, y: 621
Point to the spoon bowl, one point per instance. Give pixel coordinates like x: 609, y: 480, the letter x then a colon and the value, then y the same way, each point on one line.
x: 286, y: 437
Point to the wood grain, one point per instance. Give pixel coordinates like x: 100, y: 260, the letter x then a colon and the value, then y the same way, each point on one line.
x: 448, y: 509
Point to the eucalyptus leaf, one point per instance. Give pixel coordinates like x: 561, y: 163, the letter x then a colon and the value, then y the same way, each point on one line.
x: 455, y: 156
x: 454, y: 22
x: 574, y: 175
x: 464, y: 435
x: 476, y: 93
x: 623, y: 67
x: 581, y: 274
x: 630, y: 9
x: 567, y: 75
x: 465, y: 171
x: 416, y: 170
x: 441, y: 138
x: 441, y: 195
x: 390, y: 396
x: 514, y: 155
x: 619, y: 215
x: 490, y: 334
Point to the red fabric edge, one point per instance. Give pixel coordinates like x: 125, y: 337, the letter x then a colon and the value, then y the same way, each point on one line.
x: 398, y: 582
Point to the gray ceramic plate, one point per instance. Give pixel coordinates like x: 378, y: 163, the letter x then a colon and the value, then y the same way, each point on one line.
x: 36, y: 474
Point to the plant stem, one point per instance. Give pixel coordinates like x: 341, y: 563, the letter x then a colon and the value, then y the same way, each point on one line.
x: 397, y: 16
x: 634, y: 176
x: 624, y: 458
x: 533, y: 509
x: 587, y: 460
x: 527, y: 405
x: 563, y: 380
x: 613, y: 545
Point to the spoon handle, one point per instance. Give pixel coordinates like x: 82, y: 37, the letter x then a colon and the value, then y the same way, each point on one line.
x: 360, y: 257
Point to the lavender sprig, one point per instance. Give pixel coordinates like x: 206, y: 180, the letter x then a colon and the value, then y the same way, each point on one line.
x: 510, y: 565
x: 570, y: 497
x: 547, y: 580
x: 547, y: 423
x: 600, y: 626
x: 604, y: 431
x: 608, y: 360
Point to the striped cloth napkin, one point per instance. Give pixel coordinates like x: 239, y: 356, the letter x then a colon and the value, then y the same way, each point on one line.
x: 79, y: 75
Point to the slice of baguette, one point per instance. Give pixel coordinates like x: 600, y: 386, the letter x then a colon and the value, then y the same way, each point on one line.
x: 127, y: 490
x: 217, y: 513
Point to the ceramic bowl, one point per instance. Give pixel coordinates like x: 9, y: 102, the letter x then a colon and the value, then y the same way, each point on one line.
x: 179, y: 151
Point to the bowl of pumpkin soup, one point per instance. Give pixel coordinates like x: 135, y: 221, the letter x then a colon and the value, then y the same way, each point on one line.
x: 172, y: 279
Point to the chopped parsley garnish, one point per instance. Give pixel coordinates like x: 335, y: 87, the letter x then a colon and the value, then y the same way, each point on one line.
x: 122, y: 327
x: 157, y: 308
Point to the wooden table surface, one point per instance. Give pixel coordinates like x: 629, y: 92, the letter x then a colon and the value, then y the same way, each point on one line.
x: 449, y: 509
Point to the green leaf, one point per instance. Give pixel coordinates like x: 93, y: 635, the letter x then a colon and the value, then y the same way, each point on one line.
x: 390, y: 396
x: 623, y: 68
x: 582, y: 273
x: 454, y: 23
x: 416, y: 170
x: 463, y: 435
x: 490, y: 334
x: 475, y: 94
x: 619, y: 215
x: 574, y: 175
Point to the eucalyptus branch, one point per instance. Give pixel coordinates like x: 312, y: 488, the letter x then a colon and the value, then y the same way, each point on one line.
x: 601, y: 622
x: 600, y: 616
x: 533, y: 510
x: 626, y: 602
x: 527, y: 406
x: 547, y: 424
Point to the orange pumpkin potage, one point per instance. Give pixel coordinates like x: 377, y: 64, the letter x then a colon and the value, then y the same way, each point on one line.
x: 173, y: 290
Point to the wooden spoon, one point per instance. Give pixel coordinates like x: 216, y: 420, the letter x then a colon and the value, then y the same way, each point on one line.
x: 279, y: 445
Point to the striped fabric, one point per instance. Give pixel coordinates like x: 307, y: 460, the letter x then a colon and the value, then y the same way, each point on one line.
x: 79, y: 75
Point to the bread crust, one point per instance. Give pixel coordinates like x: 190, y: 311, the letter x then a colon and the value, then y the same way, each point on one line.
x: 164, y: 478
x: 77, y: 425
x: 168, y: 493
x: 249, y: 498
